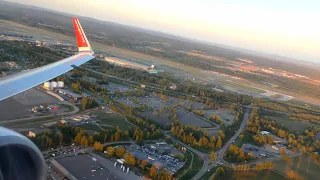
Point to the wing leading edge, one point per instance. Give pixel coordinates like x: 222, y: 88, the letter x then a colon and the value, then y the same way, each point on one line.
x: 17, y: 83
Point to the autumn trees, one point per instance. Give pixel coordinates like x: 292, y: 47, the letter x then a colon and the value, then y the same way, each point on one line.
x: 236, y: 154
x: 194, y: 136
x: 212, y: 156
x: 110, y: 151
x: 88, y: 102
x: 129, y: 159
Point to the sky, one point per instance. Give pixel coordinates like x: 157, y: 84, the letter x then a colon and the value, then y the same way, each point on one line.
x: 285, y: 27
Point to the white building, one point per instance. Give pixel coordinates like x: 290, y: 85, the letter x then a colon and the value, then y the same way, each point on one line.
x: 265, y: 133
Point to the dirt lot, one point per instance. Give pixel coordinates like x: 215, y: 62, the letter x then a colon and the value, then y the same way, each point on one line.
x: 227, y: 116
x: 19, y: 105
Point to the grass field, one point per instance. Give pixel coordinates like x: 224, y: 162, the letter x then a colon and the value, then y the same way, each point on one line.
x: 262, y: 175
x: 305, y: 167
x: 67, y: 107
x: 242, y: 86
x: 90, y: 126
x: 208, y: 174
x: 298, y: 126
x: 112, y: 120
x: 196, y: 166
x: 28, y: 123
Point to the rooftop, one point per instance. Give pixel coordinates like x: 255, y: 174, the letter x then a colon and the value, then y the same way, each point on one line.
x: 38, y: 131
x: 69, y: 93
x: 84, y: 167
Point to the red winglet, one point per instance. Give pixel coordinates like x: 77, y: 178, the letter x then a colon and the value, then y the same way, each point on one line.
x: 82, y: 40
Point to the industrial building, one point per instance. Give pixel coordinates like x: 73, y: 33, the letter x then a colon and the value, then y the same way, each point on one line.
x: 69, y: 94
x: 160, y: 155
x: 53, y: 85
x: 81, y: 167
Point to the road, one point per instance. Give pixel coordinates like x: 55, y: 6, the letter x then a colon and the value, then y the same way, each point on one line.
x: 221, y: 151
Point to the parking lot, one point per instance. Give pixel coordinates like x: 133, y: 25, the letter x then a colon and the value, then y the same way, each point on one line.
x: 112, y: 87
x: 158, y: 156
x: 259, y: 152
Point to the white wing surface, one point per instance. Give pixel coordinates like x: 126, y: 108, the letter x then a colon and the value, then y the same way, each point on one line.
x: 17, y: 83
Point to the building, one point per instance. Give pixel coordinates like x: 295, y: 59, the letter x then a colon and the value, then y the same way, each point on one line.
x: 265, y: 133
x: 173, y: 86
x: 69, y: 94
x: 278, y: 147
x: 81, y: 167
x: 35, y: 132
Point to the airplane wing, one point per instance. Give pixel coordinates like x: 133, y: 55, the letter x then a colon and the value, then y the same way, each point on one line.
x: 17, y: 83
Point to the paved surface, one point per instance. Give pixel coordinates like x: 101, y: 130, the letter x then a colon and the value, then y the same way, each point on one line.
x: 116, y: 170
x: 83, y: 166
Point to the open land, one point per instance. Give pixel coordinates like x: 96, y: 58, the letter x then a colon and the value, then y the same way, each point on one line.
x: 107, y: 120
x: 166, y: 117
x: 298, y: 126
x: 184, y: 103
x: 305, y: 167
x: 18, y: 106
x: 184, y: 117
x: 262, y: 175
x: 227, y: 116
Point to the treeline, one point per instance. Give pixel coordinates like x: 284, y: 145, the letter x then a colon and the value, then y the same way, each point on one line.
x: 88, y: 103
x: 27, y: 54
x: 131, y: 74
x: 222, y: 97
x: 305, y: 142
x: 236, y: 154
x: 217, y: 118
x: 195, y: 136
x: 295, y: 112
x: 153, y: 171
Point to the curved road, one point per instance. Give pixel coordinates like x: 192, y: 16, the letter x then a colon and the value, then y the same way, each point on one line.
x: 221, y: 151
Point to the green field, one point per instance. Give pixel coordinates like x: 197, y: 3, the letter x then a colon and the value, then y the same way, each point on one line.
x: 107, y: 120
x: 208, y: 174
x: 297, y: 126
x: 196, y: 166
x: 261, y: 175
x: 90, y: 126
x: 305, y: 167
x: 242, y: 86
x: 67, y: 107
x: 27, y: 123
